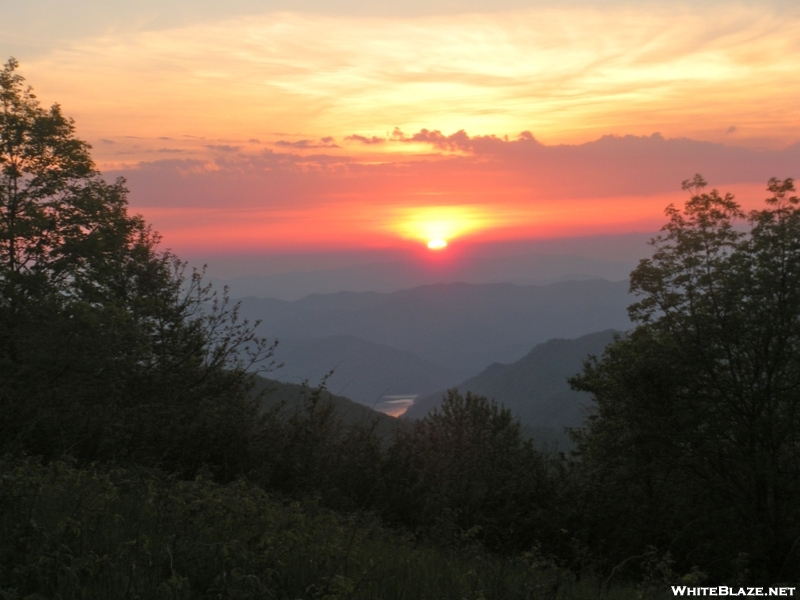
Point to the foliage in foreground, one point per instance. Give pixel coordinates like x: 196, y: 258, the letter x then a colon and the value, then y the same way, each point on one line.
x: 92, y: 533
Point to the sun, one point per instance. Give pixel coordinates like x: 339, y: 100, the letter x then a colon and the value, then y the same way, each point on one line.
x: 437, y: 225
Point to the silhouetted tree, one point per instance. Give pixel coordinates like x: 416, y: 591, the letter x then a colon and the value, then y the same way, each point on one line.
x: 466, y: 470
x: 695, y: 446
x: 109, y: 349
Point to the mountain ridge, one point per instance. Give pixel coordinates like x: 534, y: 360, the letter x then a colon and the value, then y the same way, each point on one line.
x: 459, y: 326
x: 535, y: 387
x: 394, y: 275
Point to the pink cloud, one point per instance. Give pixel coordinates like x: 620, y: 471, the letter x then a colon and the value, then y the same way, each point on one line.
x: 610, y: 179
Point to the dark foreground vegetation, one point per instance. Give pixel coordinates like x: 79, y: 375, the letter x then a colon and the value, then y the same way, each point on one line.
x: 142, y: 460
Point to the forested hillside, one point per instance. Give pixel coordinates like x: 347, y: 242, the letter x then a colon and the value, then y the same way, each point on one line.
x: 535, y: 388
x: 143, y: 457
x: 292, y: 400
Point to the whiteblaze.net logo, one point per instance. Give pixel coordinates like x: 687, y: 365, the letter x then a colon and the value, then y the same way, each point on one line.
x: 724, y: 590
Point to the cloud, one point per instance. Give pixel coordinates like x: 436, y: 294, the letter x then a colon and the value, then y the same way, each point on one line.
x: 460, y: 140
x: 731, y: 129
x: 612, y: 164
x: 365, y: 140
x: 609, y: 184
x: 223, y: 148
x: 568, y: 77
x: 457, y: 140
x: 326, y: 142
x: 484, y: 166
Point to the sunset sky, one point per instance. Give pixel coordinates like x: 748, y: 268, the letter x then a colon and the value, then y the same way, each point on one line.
x: 279, y: 126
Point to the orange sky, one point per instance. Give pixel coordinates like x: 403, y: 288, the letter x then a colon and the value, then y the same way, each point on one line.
x: 267, y: 129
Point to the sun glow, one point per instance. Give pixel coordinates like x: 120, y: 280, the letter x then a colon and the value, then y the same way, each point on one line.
x: 435, y: 225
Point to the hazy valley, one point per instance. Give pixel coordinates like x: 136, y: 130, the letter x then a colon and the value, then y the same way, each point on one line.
x: 515, y: 343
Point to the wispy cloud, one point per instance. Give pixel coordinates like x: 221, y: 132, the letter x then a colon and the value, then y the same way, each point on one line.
x: 326, y: 142
x: 223, y: 148
x: 567, y: 74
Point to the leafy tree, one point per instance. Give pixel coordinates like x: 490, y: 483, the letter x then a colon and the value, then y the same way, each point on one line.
x: 307, y: 450
x: 108, y: 348
x: 694, y: 448
x: 466, y: 470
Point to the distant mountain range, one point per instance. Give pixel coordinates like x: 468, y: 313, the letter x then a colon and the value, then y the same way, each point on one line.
x: 395, y: 275
x: 459, y: 328
x: 535, y: 387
